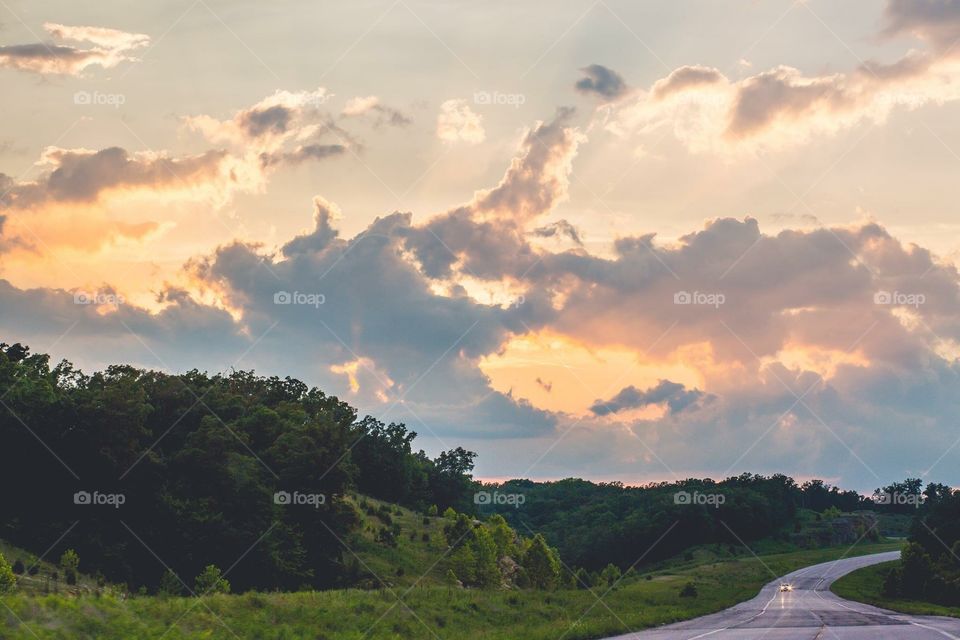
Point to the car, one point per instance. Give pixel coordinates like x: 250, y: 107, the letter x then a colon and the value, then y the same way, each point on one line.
x: 785, y: 587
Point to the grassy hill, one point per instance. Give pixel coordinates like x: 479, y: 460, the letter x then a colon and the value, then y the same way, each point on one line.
x: 412, y: 553
x: 405, y: 607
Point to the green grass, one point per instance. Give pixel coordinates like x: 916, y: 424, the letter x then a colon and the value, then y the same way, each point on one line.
x: 400, y: 613
x: 414, y: 560
x: 865, y: 586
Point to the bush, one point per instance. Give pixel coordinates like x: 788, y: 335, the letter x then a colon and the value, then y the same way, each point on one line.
x: 170, y: 584
x: 18, y: 567
x: 8, y: 580
x: 689, y: 591
x: 70, y: 563
x: 211, y: 580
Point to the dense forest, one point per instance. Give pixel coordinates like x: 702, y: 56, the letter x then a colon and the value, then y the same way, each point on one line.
x: 148, y: 471
x: 930, y: 567
x: 595, y: 524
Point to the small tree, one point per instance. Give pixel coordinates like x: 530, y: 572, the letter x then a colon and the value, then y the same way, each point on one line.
x: 485, y: 551
x: 211, y: 580
x: 432, y: 511
x: 610, y: 574
x: 543, y: 568
x: 18, y: 567
x: 582, y: 579
x: 170, y: 584
x: 70, y: 564
x: 8, y: 580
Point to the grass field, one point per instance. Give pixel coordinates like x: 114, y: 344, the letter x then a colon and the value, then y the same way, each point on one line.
x: 864, y: 586
x: 423, y: 611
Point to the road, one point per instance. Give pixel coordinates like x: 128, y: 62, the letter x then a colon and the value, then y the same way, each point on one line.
x: 809, y: 612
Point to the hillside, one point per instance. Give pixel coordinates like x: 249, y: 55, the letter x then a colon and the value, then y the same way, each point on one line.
x: 639, y: 600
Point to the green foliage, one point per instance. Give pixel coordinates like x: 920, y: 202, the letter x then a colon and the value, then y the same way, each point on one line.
x: 929, y: 569
x: 432, y: 511
x: 595, y: 524
x: 8, y: 580
x: 689, y: 590
x: 211, y: 580
x: 170, y: 584
x: 610, y: 574
x: 209, y: 486
x: 70, y: 565
x: 447, y: 612
x: 831, y: 513
x: 503, y: 536
x: 541, y: 564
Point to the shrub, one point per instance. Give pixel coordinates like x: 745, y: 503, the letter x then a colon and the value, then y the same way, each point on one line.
x: 8, y: 579
x: 689, y: 591
x: 18, y: 567
x: 211, y: 580
x: 170, y: 584
x: 70, y: 563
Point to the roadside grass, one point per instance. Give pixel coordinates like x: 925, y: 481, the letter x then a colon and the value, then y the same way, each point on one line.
x: 865, y: 586
x: 426, y: 611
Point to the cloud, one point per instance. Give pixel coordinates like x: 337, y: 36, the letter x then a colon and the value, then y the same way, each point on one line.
x: 936, y: 21
x: 686, y: 78
x: 674, y: 395
x: 268, y: 124
x: 303, y: 153
x: 110, y: 48
x: 81, y: 175
x: 401, y: 316
x: 362, y: 106
x: 457, y: 122
x: 559, y: 229
x: 601, y: 82
x: 784, y: 107
x: 486, y: 237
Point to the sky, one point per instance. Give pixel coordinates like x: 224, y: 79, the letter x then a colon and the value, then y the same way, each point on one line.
x: 602, y: 239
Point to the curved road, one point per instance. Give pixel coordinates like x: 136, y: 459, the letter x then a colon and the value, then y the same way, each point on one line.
x: 809, y: 612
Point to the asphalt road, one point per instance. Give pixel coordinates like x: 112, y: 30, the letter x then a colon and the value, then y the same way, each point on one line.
x: 809, y: 612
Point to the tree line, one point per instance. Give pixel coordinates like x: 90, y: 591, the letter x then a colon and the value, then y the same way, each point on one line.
x: 148, y: 474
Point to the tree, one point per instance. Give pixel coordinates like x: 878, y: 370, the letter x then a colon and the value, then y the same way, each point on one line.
x: 170, y: 584
x: 541, y: 564
x: 502, y: 534
x: 211, y: 580
x: 8, y: 580
x: 70, y: 565
x: 464, y: 564
x: 485, y: 550
x: 610, y: 574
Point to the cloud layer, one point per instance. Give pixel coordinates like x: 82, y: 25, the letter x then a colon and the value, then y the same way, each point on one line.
x: 107, y: 48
